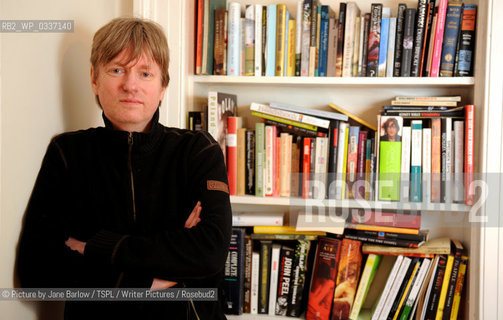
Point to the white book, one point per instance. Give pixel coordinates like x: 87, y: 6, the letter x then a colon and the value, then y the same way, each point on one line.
x: 233, y: 39
x: 250, y: 219
x: 242, y: 51
x: 254, y: 282
x: 270, y: 159
x: 405, y: 164
x: 418, y: 283
x: 204, y: 53
x: 448, y: 161
x: 395, y: 288
x: 273, y: 284
x: 340, y: 159
x: 387, y: 287
x: 285, y: 169
x: 249, y: 39
x: 428, y: 291
x: 459, y: 156
x: 391, y: 47
x: 258, y: 40
x: 290, y: 115
x: 298, y: 32
x: 320, y: 168
x: 426, y: 165
x: 352, y: 11
x: 356, y: 45
x: 416, y: 160
x: 360, y: 50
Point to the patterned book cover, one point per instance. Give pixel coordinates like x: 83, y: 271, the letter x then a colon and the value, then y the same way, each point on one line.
x: 374, y: 40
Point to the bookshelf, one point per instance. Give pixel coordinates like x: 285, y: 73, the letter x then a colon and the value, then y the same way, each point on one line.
x: 364, y: 97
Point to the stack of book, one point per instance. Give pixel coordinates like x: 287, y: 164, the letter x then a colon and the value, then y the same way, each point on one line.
x: 422, y: 40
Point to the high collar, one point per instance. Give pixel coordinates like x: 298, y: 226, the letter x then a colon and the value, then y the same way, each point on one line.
x: 142, y: 141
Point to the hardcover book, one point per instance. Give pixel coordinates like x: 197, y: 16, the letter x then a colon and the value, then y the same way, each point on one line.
x: 374, y: 40
x: 220, y: 106
x: 233, y: 285
x: 467, y: 41
x: 449, y: 46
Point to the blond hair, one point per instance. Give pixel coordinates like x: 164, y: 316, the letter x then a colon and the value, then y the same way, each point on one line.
x: 136, y: 35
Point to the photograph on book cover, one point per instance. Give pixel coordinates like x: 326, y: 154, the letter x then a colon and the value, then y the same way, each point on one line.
x: 391, y: 129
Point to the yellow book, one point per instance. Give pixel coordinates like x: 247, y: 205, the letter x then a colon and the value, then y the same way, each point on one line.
x: 445, y: 287
x: 285, y: 230
x: 290, y: 68
x: 353, y: 117
x: 429, y: 248
x: 345, y: 165
x: 459, y: 288
x: 369, y: 227
x: 280, y: 40
x: 407, y: 288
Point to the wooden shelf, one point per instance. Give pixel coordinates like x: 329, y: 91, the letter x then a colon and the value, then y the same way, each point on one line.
x: 298, y: 203
x: 336, y: 81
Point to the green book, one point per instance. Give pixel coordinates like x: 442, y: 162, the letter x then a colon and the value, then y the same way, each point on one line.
x: 390, y: 153
x: 259, y: 159
x: 365, y: 282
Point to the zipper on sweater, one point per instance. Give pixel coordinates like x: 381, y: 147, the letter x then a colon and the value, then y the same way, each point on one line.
x: 130, y: 167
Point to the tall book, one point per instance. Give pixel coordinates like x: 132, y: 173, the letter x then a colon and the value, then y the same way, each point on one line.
x: 433, y: 299
x: 255, y: 267
x: 323, y: 279
x: 306, y: 32
x: 249, y: 40
x: 248, y: 257
x: 347, y: 279
x: 469, y: 149
x: 341, y: 149
x: 209, y: 38
x: 285, y: 168
x: 374, y: 40
x: 445, y: 177
x: 233, y: 124
x: 390, y: 147
x: 250, y: 162
x: 352, y: 12
x: 459, y: 288
x: 383, y: 45
x: 281, y: 33
x: 323, y: 48
x: 270, y: 161
x: 395, y: 288
x: 306, y: 166
x: 400, y: 23
x: 426, y: 165
x: 422, y: 7
x: 365, y: 282
x: 265, y: 275
x: 451, y: 35
x: 359, y: 187
x: 313, y: 36
x: 233, y: 284
x: 405, y: 288
x: 390, y: 58
x: 408, y: 42
x: 285, y: 279
x: 438, y: 39
x: 320, y: 168
x: 259, y: 159
x: 298, y: 36
x: 436, y: 159
x: 274, y: 277
x: 387, y: 288
x: 457, y: 252
x: 427, y: 35
x: 340, y: 39
x: 220, y: 46
x: 241, y: 161
x: 220, y: 106
x: 352, y: 160
x: 199, y: 35
x: 234, y: 40
x: 445, y: 286
x: 415, y: 290
x: 333, y: 33
x: 365, y: 44
x: 290, y: 49
x: 467, y: 41
x: 270, y: 57
x: 415, y: 161
x: 300, y: 267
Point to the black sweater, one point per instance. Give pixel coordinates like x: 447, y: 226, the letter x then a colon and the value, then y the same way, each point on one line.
x: 128, y: 196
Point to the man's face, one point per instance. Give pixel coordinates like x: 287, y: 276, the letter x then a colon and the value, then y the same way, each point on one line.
x: 129, y: 91
x: 391, y: 130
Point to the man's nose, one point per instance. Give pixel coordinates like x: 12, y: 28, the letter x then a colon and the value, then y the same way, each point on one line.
x: 130, y: 82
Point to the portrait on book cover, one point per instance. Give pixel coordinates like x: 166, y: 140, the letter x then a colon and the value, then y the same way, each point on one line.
x: 391, y: 129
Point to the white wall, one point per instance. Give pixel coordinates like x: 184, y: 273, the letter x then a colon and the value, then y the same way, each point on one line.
x: 44, y: 90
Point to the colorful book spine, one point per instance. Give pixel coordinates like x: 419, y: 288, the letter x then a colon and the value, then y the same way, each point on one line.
x: 352, y: 166
x: 408, y: 42
x: 451, y: 35
x: 359, y: 187
x: 428, y: 34
x: 414, y: 292
x: 415, y: 161
x: 459, y: 288
x: 220, y: 46
x: 284, y: 281
x: 352, y: 11
x: 313, y: 35
x: 397, y: 284
x: 199, y: 35
x: 400, y: 23
x: 422, y: 7
x: 438, y: 39
x: 467, y: 41
x: 390, y: 59
x: 390, y: 159
x: 405, y: 164
x: 404, y: 291
x: 306, y: 167
x: 426, y: 165
x: 270, y: 160
x: 365, y: 44
x: 458, y: 251
x: 291, y: 56
x: 270, y: 57
x: 433, y: 299
x: 306, y: 31
x: 469, y: 149
x: 445, y: 286
x: 233, y: 39
x: 374, y: 40
x: 340, y: 39
x: 285, y: 44
x: 342, y: 146
x: 383, y: 45
x: 241, y: 161
x: 259, y: 159
x: 286, y: 164
x: 436, y: 159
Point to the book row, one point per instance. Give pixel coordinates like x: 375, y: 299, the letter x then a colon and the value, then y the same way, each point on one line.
x: 434, y: 38
x: 339, y: 278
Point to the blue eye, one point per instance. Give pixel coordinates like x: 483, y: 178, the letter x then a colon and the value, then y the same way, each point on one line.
x: 146, y: 75
x: 116, y: 71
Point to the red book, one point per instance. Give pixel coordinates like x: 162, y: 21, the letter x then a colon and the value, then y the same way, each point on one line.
x: 469, y: 139
x: 233, y: 124
x: 277, y: 175
x: 323, y: 280
x: 199, y: 37
x: 386, y: 219
x: 306, y: 165
x: 360, y: 176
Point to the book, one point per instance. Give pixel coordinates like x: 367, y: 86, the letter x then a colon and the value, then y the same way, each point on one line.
x: 368, y: 227
x: 374, y: 40
x: 283, y: 237
x: 438, y: 39
x: 426, y: 165
x: 365, y: 44
x: 250, y: 219
x: 343, y: 136
x: 386, y: 219
x: 415, y: 163
x: 333, y: 33
x: 341, y: 27
x: 284, y: 281
x: 421, y: 305
x: 247, y: 274
x: 395, y: 288
x: 405, y: 164
x: 290, y: 115
x: 259, y: 8
x: 323, y: 279
x: 467, y: 41
x: 400, y: 22
x: 422, y: 7
x: 270, y: 161
x: 220, y: 46
x: 220, y: 106
x: 265, y: 273
x: 353, y: 117
x: 435, y: 246
x: 404, y: 289
x: 259, y: 159
x: 459, y: 288
x: 457, y: 253
x: 254, y: 282
x: 383, y: 43
x: 459, y: 157
x: 274, y: 277
x: 284, y: 230
x: 310, y: 111
x: 281, y: 33
x: 449, y: 45
x: 390, y: 58
x: 323, y: 47
x: 233, y: 39
x: 300, y: 267
x: 387, y: 288
x: 209, y: 35
x: 429, y: 100
x: 421, y: 236
x: 352, y: 160
x: 436, y: 159
x: 350, y: 261
x: 408, y: 42
x: 285, y: 168
x: 364, y: 284
x: 233, y: 124
x: 270, y: 45
x: 314, y: 37
x: 249, y: 38
x: 233, y: 284
x: 445, y: 287
x: 306, y: 31
x: 196, y: 121
x: 428, y: 35
x: 306, y: 168
x: 390, y: 146
x: 469, y: 149
x: 199, y: 35
x: 306, y: 221
x: 415, y: 290
x: 290, y: 56
x: 298, y: 36
x: 432, y: 303
x: 249, y: 182
x: 352, y: 12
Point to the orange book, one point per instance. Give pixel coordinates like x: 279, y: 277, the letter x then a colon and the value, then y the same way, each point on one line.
x: 347, y: 279
x: 199, y: 37
x: 233, y: 124
x: 436, y: 143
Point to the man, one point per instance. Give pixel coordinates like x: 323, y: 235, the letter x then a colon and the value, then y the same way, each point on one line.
x: 131, y: 204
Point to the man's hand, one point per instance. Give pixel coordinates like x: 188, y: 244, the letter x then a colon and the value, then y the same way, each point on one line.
x: 76, y: 245
x: 193, y: 219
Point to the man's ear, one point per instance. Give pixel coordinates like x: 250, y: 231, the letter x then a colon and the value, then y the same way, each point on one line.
x: 93, y: 81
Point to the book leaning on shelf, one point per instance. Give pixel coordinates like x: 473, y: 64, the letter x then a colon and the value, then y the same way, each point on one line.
x: 430, y: 38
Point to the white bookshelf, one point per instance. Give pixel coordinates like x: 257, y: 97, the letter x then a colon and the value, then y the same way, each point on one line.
x: 364, y: 97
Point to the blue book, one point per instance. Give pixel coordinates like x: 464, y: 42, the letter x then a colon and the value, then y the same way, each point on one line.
x: 323, y: 50
x: 383, y: 45
x: 234, y: 40
x: 270, y: 54
x: 214, y: 5
x: 465, y: 56
x: 452, y: 25
x: 415, y: 160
